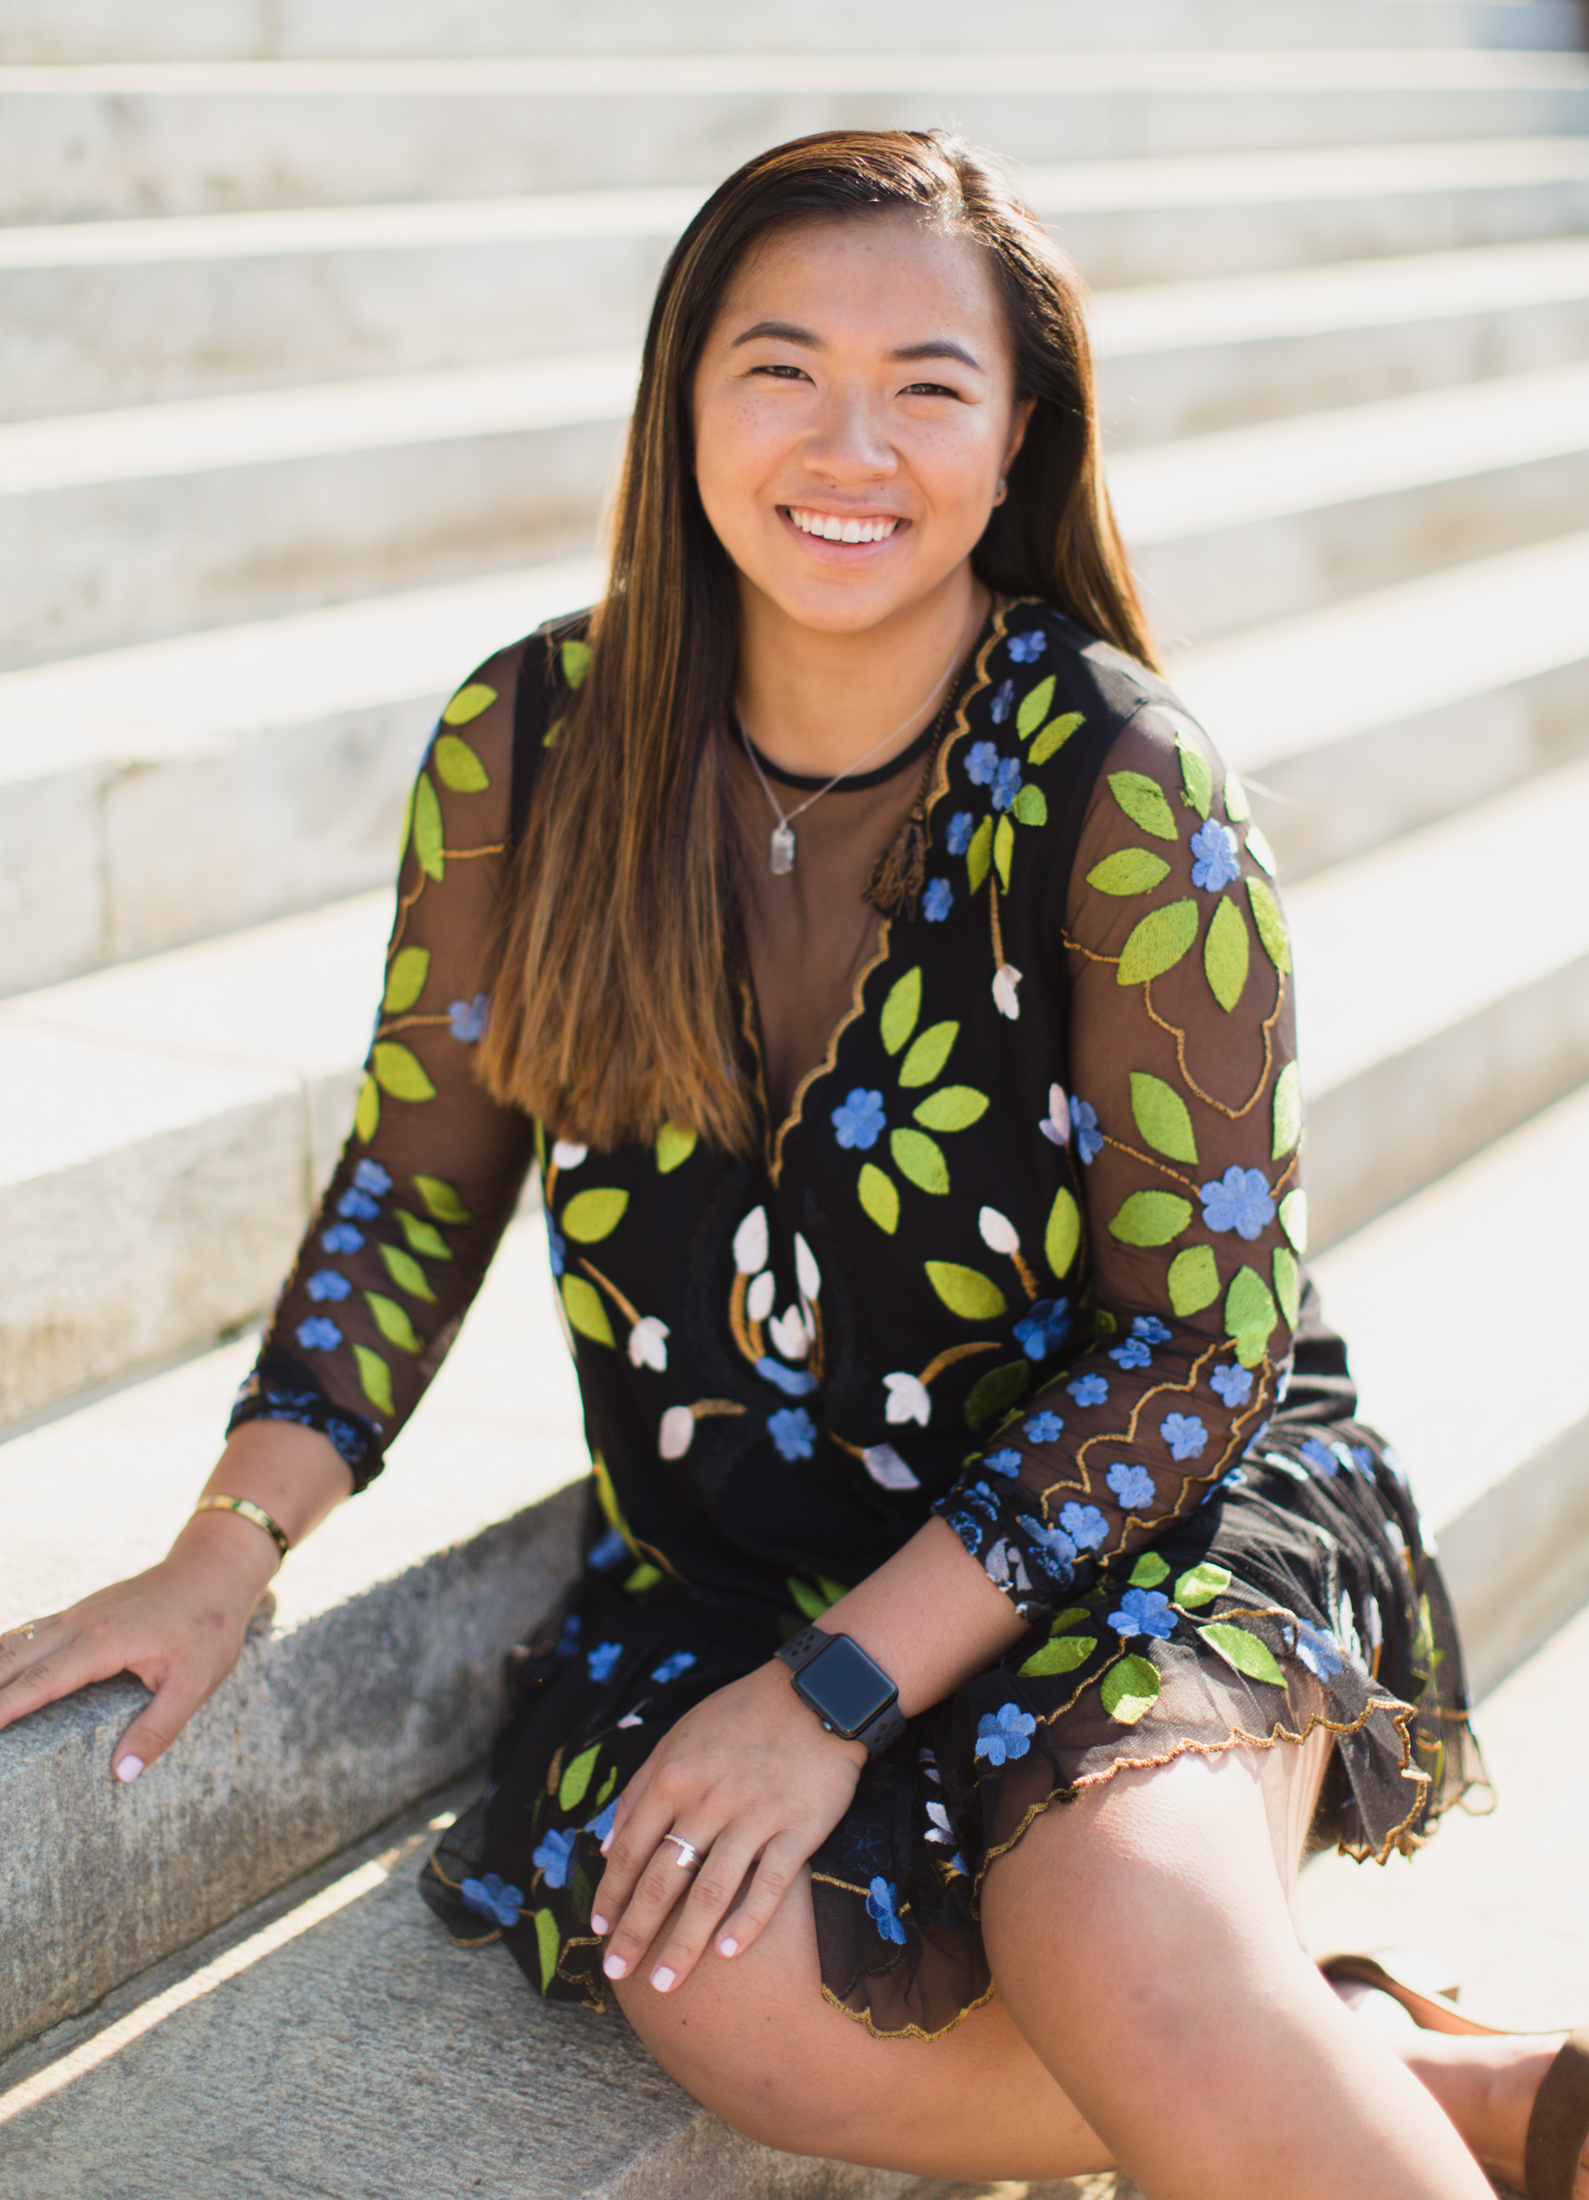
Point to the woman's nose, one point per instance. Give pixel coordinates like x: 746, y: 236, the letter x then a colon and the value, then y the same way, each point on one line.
x: 849, y: 439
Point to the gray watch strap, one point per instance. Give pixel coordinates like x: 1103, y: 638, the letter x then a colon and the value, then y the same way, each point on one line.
x: 879, y: 1733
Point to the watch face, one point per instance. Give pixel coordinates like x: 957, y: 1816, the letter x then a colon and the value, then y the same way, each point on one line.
x: 843, y: 1686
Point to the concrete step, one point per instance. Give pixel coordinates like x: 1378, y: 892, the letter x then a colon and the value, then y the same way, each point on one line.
x: 174, y: 790
x: 1252, y: 524
x: 214, y: 137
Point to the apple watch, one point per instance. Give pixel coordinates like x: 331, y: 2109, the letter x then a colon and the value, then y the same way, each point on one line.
x: 849, y: 1692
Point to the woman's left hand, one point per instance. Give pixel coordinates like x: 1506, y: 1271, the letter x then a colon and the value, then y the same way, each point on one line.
x: 754, y: 1784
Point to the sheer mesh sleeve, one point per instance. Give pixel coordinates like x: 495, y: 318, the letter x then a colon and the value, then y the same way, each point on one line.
x: 1185, y: 1121
x: 430, y: 1174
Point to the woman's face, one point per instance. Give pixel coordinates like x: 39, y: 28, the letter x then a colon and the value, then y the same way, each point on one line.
x: 854, y: 412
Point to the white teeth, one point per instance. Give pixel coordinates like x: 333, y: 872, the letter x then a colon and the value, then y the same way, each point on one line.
x: 831, y: 529
x: 852, y: 531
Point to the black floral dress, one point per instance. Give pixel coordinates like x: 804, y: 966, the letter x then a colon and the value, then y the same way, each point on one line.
x: 1024, y: 1249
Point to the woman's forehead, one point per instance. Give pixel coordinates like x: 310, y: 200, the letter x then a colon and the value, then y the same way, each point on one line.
x: 879, y: 273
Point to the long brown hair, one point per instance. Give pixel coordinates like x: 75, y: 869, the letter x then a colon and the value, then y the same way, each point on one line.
x: 617, y: 996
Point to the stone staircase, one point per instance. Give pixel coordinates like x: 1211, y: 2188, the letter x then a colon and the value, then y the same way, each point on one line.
x: 321, y: 327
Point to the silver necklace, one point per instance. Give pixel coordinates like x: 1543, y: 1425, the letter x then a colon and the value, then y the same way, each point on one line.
x: 781, y: 840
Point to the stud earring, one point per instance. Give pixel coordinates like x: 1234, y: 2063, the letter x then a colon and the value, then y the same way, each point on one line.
x: 1001, y: 491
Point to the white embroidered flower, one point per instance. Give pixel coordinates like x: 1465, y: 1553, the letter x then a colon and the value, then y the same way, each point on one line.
x: 750, y: 1242
x: 998, y: 1231
x: 677, y: 1432
x: 907, y: 1400
x: 759, y: 1298
x: 631, y: 1718
x: 807, y: 1273
x: 1056, y: 1124
x: 886, y: 1468
x: 939, y: 1828
x: 566, y: 1155
x: 1005, y: 981
x: 648, y: 1343
x: 788, y: 1333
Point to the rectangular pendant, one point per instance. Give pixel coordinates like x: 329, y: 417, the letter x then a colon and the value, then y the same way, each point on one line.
x: 781, y: 850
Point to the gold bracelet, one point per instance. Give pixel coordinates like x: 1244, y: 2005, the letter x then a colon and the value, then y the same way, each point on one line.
x: 249, y: 1511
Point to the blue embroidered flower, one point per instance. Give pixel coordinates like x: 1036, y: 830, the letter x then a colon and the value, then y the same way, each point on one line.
x: 859, y: 1121
x: 793, y: 1431
x: 1131, y: 1352
x: 958, y: 838
x: 1002, y: 704
x: 1185, y: 1434
x: 882, y: 1907
x: 1089, y: 1390
x: 355, y: 1204
x: 1132, y: 1485
x: 603, y: 1658
x: 1239, y: 1200
x: 983, y: 760
x: 1150, y: 1329
x: 369, y: 1176
x: 325, y: 1283
x: 342, y: 1238
x: 1007, y: 1461
x: 1005, y: 1734
x: 938, y: 900
x: 1363, y: 1460
x: 979, y: 1498
x: 1043, y: 1428
x: 1084, y: 1128
x: 794, y: 1382
x: 606, y: 1553
x: 1320, y: 1458
x: 1234, y: 1385
x: 1215, y: 849
x: 552, y: 1857
x: 468, y: 1018
x: 1045, y: 1328
x: 568, y: 1640
x: 319, y: 1335
x: 1084, y: 1524
x: 502, y: 1904
x: 968, y: 1530
x: 601, y: 1824
x: 1006, y: 782
x: 556, y: 1246
x: 671, y: 1668
x: 1024, y: 647
x: 1144, y: 1612
x: 1052, y: 1549
x: 1319, y: 1652
x: 346, y: 1442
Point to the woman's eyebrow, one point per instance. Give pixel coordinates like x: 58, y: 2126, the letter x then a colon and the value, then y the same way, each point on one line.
x: 932, y: 347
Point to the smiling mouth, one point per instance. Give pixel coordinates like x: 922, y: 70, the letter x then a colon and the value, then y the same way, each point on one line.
x: 828, y: 527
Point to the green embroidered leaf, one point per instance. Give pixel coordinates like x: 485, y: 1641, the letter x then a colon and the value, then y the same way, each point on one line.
x: 995, y: 1392
x: 1196, y: 777
x: 1287, y: 1110
x: 1294, y: 1219
x: 1242, y: 1649
x: 920, y: 1159
x: 1128, y: 871
x: 458, y: 767
x: 393, y: 1322
x: 1130, y: 1688
x: 675, y: 1144
x: 1194, y: 1280
x: 1288, y: 1287
x: 1225, y: 954
x: 814, y: 1597
x: 1072, y: 1615
x: 546, y: 1940
x: 1143, y: 801
x: 880, y: 1197
x: 406, y: 1273
x: 575, y: 659
x: 1031, y: 806
x: 1158, y: 942
x: 1062, y: 1237
x: 607, y: 1785
x: 1003, y: 850
x: 1259, y: 849
x: 408, y: 824
x: 367, y: 1111
x: 468, y: 703
x: 928, y: 1054
x: 1271, y: 925
x: 951, y: 1108
x: 1161, y: 1117
x: 586, y: 1313
x: 974, y: 1297
x: 980, y: 854
x: 375, y: 1379
x: 405, y: 980
x: 1151, y: 1218
x: 549, y: 737
x: 427, y: 828
x: 1149, y: 1571
x: 399, y: 1071
x: 1062, y: 1654
x: 1054, y: 736
x: 1034, y: 708
x: 442, y: 1200
x: 574, y: 1786
x: 641, y: 1578
x: 900, y: 1010
x: 1249, y: 1316
x: 1200, y: 1584
x: 591, y: 1216
x: 421, y: 1236
x: 1237, y: 807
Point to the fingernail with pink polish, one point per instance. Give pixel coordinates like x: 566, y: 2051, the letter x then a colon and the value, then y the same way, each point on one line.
x: 614, y: 1965
x: 599, y: 1926
x: 129, y: 1768
x: 662, y: 1978
x: 728, y: 1946
x: 606, y: 1845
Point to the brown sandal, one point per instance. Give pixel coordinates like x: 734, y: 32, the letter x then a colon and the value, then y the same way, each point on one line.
x: 1558, y: 2129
